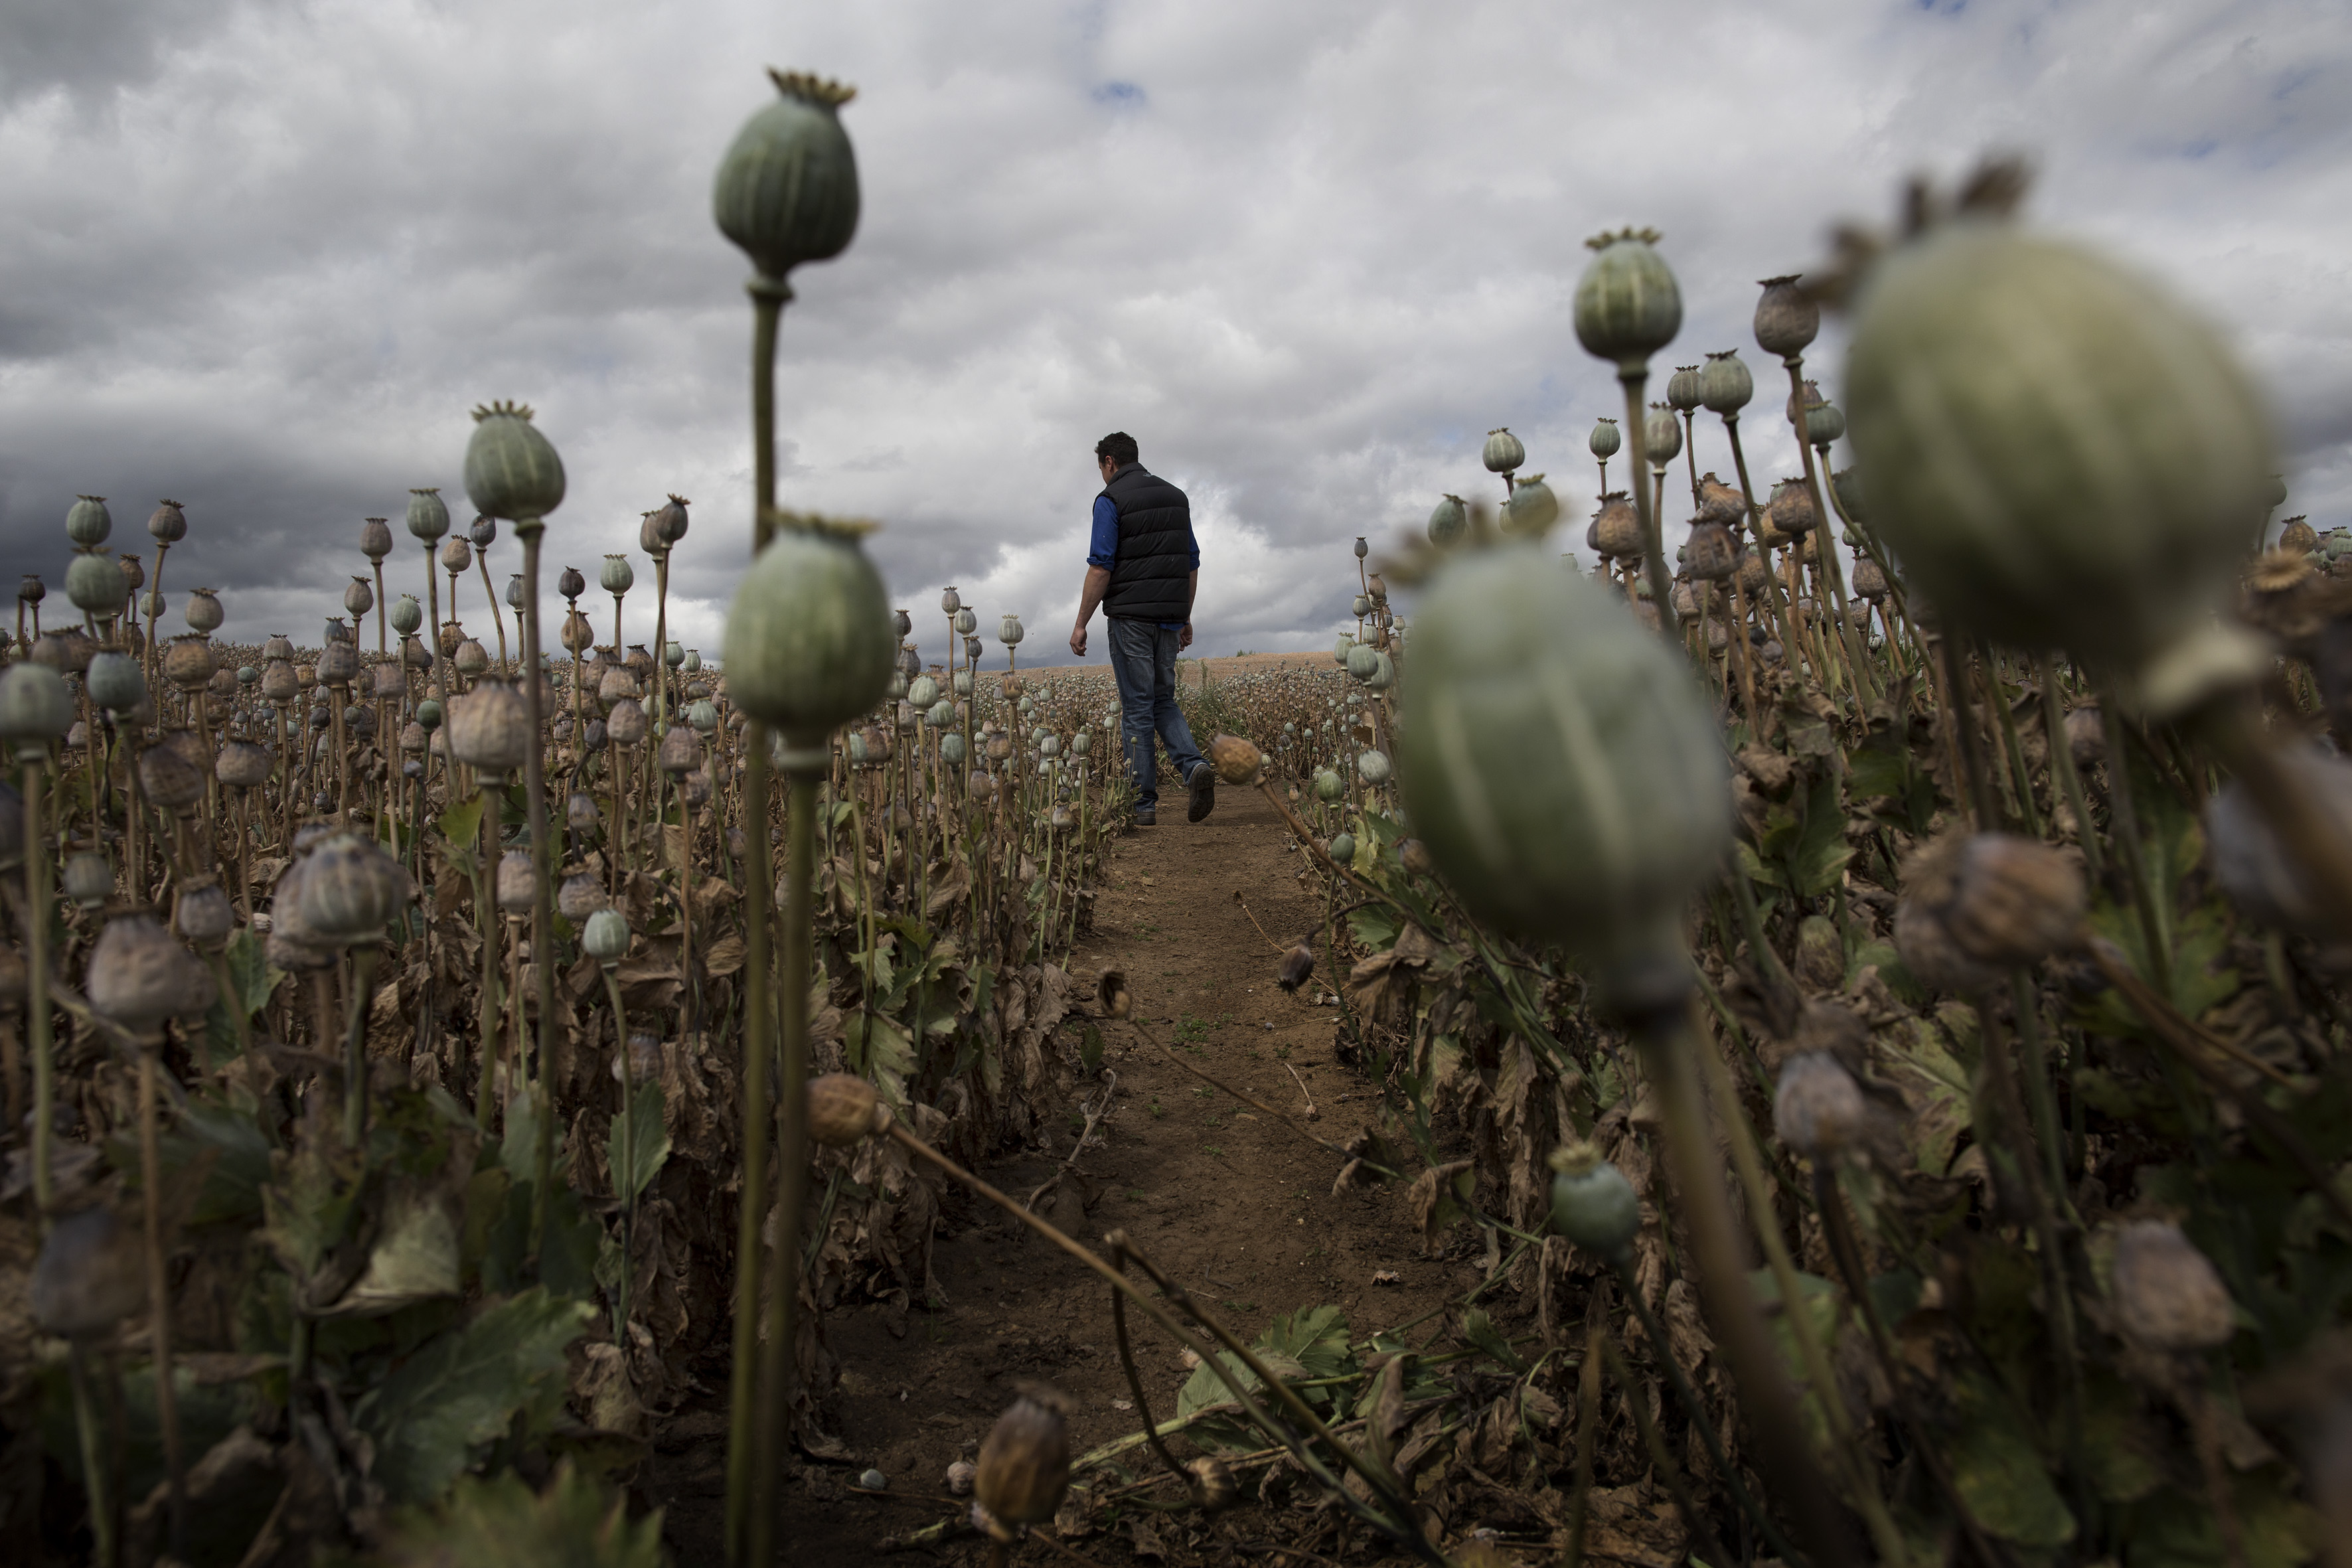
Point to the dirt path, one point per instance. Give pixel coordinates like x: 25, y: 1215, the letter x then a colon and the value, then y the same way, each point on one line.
x: 1236, y: 1206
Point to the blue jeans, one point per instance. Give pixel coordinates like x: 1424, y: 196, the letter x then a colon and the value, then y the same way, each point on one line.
x: 1143, y: 662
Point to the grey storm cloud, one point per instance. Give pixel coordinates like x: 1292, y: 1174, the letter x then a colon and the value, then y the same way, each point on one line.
x: 262, y: 258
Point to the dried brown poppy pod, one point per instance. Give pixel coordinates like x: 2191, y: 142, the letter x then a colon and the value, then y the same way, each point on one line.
x: 1787, y: 319
x: 1869, y: 582
x: 188, y: 662
x: 2297, y: 535
x: 1298, y: 967
x: 961, y: 1476
x: 171, y: 771
x: 626, y: 723
x: 338, y: 664
x: 1792, y: 508
x: 1818, y: 1108
x: 1414, y: 856
x: 278, y: 684
x: 140, y: 978
x: 843, y: 1110
x: 1112, y: 994
x: 351, y: 890
x: 242, y: 764
x: 2086, y: 736
x: 2167, y: 1294
x: 1712, y: 553
x: 203, y: 915
x: 1024, y: 1465
x: 1617, y: 527
x: 681, y: 751
x: 1929, y: 879
x: 2016, y: 900
x: 581, y: 895
x: 580, y: 812
x: 1238, y: 761
x: 489, y: 729
x: 1719, y: 503
x: 470, y: 658
x: 518, y: 880
x: 90, y: 1275
x: 1211, y: 1481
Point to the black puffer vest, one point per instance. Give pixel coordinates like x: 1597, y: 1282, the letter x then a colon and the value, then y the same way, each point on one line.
x: 1148, y: 581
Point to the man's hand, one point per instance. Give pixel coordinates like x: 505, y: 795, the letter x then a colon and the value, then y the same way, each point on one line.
x: 1183, y: 636
x: 1078, y: 639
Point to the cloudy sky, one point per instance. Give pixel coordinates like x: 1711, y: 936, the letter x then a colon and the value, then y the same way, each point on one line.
x: 262, y: 257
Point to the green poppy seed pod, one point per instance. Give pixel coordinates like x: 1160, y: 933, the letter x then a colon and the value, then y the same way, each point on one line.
x: 692, y: 664
x: 1341, y: 648
x: 2061, y: 454
x: 1561, y: 768
x: 140, y: 978
x: 115, y: 683
x: 941, y: 714
x: 489, y: 728
x: 809, y: 644
x: 1724, y: 384
x: 1362, y: 550
x: 949, y: 601
x: 922, y: 692
x: 88, y: 522
x: 1372, y: 767
x: 786, y: 191
x: 616, y: 577
x: 359, y: 598
x: 844, y: 1110
x: 1532, y: 508
x: 1661, y: 434
x: 1342, y: 848
x: 95, y: 586
x: 1825, y: 422
x: 906, y: 624
x: 1362, y: 606
x: 1683, y: 389
x: 2167, y: 1294
x: 1329, y: 786
x: 703, y: 716
x: 1024, y: 1463
x: 1447, y: 521
x: 1503, y: 452
x: 1787, y: 319
x: 31, y: 589
x: 204, y: 614
x: 1592, y: 1203
x: 350, y: 890
x: 1008, y: 631
x: 428, y: 515
x: 167, y: 524
x: 406, y: 615
x: 1604, y: 441
x: 515, y: 593
x: 511, y: 470
x: 1627, y: 304
x: 966, y: 621
x: 605, y: 938
x: 1361, y: 660
x: 90, y: 1275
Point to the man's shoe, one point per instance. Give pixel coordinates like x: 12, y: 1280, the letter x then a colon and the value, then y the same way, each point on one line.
x: 1203, y: 787
x: 1146, y: 819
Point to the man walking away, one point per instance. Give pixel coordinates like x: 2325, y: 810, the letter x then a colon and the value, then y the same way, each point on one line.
x: 1142, y: 568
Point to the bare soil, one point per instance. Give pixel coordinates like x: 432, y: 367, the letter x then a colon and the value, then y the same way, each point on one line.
x: 1237, y: 1207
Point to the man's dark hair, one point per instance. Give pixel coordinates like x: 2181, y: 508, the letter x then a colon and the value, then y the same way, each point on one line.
x: 1119, y: 446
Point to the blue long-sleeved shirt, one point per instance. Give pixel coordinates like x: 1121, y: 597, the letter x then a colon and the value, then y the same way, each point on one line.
x: 1102, y: 548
